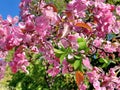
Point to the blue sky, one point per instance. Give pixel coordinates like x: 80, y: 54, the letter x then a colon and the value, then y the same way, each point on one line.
x: 9, y: 7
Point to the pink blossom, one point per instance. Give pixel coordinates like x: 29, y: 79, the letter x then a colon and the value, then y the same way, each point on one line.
x: 92, y: 76
x: 42, y: 26
x: 48, y: 29
x: 104, y: 18
x: 12, y: 41
x: 3, y: 54
x: 86, y: 63
x: 48, y: 54
x: 109, y: 48
x: 50, y: 14
x: 65, y: 43
x: 98, y: 42
x: 54, y: 71
x: 96, y: 85
x: 65, y: 67
x: 27, y: 38
x: 82, y: 87
x: 19, y: 61
x: 29, y: 25
x: 102, y: 81
x: 99, y: 0
x: 34, y: 49
x: 12, y: 20
x: 110, y: 80
x: 73, y: 40
x: 42, y: 4
x: 21, y: 25
x: 117, y: 27
x: 77, y: 7
x: 118, y: 10
x: 26, y: 1
x: 65, y: 30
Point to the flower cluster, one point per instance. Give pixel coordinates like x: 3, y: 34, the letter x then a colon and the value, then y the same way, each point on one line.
x: 102, y: 81
x: 74, y: 40
x: 19, y: 61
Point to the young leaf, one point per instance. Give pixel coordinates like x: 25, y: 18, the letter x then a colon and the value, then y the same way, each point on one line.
x: 79, y: 77
x: 68, y: 13
x: 84, y: 25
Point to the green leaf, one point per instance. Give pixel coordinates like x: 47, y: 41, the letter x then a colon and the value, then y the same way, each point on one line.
x: 36, y: 56
x: 77, y: 64
x: 62, y: 57
x: 62, y: 48
x: 102, y: 60
x: 82, y: 45
x: 68, y: 50
x: 58, y: 51
x: 87, y: 49
x: 77, y: 57
x: 81, y: 66
x: 71, y: 61
x: 80, y: 40
x: 104, y: 65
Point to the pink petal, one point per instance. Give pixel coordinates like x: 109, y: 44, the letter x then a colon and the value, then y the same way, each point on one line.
x: 86, y: 63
